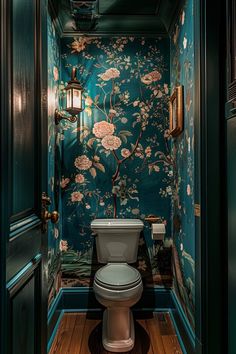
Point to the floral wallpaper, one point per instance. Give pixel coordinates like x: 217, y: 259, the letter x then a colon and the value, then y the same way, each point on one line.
x: 117, y: 160
x: 54, y: 161
x: 182, y: 73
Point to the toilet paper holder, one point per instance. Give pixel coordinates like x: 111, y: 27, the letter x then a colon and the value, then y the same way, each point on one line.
x: 153, y: 219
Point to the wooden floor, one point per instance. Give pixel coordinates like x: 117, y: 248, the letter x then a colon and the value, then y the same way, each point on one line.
x: 82, y: 334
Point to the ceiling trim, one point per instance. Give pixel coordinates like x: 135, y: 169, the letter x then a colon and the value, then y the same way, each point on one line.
x: 114, y: 34
x: 160, y: 24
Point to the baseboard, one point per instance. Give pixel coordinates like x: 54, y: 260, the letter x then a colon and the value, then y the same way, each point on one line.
x: 182, y: 325
x: 153, y: 299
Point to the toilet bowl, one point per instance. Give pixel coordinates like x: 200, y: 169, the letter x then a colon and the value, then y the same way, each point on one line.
x: 117, y: 285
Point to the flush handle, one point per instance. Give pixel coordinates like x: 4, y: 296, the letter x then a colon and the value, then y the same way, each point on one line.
x: 153, y: 219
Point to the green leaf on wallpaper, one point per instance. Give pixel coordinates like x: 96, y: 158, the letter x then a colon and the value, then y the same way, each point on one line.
x: 90, y: 142
x: 125, y: 132
x: 93, y: 172
x: 99, y: 166
x: 123, y: 138
x: 123, y: 135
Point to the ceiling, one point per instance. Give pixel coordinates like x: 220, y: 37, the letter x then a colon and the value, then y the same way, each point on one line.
x: 111, y: 17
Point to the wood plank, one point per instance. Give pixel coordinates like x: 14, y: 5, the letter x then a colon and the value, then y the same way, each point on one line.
x: 62, y: 341
x: 77, y: 335
x: 171, y: 344
x: 165, y: 323
x: 69, y: 320
x: 155, y: 336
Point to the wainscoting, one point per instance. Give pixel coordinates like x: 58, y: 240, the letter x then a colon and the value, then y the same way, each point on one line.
x: 82, y: 300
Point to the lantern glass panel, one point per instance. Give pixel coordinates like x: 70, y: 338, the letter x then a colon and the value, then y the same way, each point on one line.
x: 77, y: 99
x: 68, y: 99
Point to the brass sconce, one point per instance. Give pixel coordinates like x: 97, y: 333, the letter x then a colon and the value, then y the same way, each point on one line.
x: 73, y: 100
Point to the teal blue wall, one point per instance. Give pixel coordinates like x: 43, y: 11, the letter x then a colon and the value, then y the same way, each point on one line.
x: 54, y: 160
x: 127, y: 84
x: 182, y: 73
x: 125, y: 123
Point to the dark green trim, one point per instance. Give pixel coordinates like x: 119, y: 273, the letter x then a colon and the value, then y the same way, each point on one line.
x: 24, y: 225
x: 42, y: 68
x: 4, y: 165
x: 23, y: 272
x: 183, y: 324
x: 212, y: 188
x: 197, y: 172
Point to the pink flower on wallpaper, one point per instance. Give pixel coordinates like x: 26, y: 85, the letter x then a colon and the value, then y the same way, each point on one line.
x: 153, y: 76
x: 76, y: 197
x: 64, y: 182
x: 188, y: 189
x: 79, y: 178
x: 148, y: 151
x: 82, y: 162
x: 136, y: 103
x: 111, y: 73
x: 111, y: 142
x: 125, y: 152
x: 63, y: 246
x: 103, y: 128
x: 55, y: 73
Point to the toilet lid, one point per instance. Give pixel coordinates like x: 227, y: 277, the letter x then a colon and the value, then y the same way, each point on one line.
x: 117, y: 276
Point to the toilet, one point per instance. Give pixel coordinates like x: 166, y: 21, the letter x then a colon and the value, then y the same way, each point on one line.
x: 117, y: 285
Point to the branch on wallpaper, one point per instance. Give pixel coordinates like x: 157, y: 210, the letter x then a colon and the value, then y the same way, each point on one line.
x: 130, y: 90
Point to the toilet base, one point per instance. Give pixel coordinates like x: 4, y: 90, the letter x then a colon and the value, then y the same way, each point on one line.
x: 118, y: 330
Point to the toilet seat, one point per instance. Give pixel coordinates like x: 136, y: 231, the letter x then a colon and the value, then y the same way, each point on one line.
x: 117, y: 276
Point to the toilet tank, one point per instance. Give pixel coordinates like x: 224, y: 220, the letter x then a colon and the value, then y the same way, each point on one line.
x: 117, y: 239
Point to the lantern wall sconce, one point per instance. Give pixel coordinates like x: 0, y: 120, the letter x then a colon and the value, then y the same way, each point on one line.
x: 73, y: 100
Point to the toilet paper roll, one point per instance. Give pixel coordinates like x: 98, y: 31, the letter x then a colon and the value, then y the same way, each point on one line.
x: 158, y: 231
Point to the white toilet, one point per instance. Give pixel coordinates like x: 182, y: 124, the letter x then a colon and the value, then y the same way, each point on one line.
x: 117, y: 285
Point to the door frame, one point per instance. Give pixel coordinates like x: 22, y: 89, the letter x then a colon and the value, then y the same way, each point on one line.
x: 211, y: 278
x: 5, y: 168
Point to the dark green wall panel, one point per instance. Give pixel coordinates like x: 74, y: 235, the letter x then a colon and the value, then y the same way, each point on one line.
x: 23, y: 101
x: 23, y: 312
x: 231, y: 147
